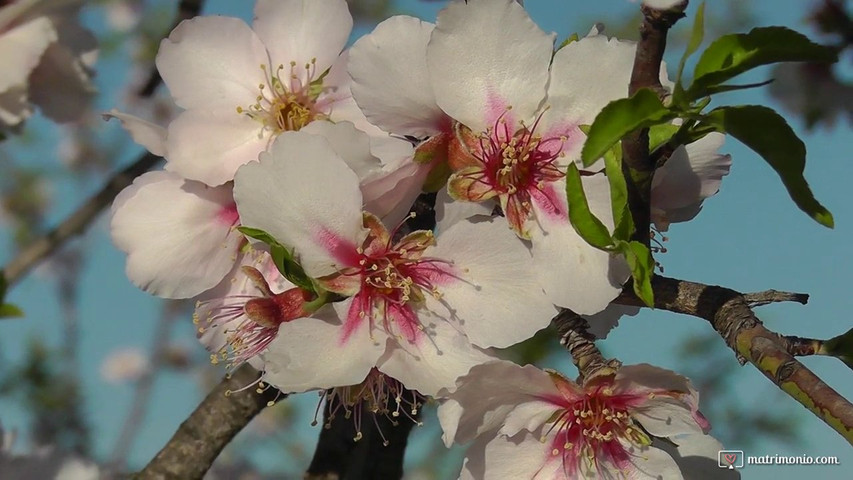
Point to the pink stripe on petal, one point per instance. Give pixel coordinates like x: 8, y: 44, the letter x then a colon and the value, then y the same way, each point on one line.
x: 228, y: 215
x: 550, y: 203
x: 497, y: 106
x: 359, y: 311
x: 341, y: 249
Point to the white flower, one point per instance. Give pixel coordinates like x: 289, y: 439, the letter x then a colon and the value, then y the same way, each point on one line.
x: 690, y: 175
x: 124, y: 365
x: 530, y: 423
x: 400, y: 291
x: 47, y: 60
x: 241, y: 87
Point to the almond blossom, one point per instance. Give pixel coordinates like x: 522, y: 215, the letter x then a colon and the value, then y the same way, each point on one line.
x: 47, y: 60
x: 530, y: 423
x: 409, y: 299
x: 516, y: 121
x: 241, y: 86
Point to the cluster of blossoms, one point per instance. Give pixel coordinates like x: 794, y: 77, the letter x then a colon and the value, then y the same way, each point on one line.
x: 47, y: 60
x: 283, y: 208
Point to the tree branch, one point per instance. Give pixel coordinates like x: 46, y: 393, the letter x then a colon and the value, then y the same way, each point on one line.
x: 220, y: 416
x: 574, y: 335
x: 731, y: 316
x: 637, y: 166
x: 766, y: 297
x: 77, y: 222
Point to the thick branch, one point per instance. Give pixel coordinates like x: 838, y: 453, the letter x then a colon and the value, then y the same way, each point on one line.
x: 220, y: 416
x: 78, y: 221
x: 637, y: 166
x: 731, y: 316
x: 574, y: 335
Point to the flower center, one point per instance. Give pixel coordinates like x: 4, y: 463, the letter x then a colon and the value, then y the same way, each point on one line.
x: 378, y: 394
x: 594, y: 429
x: 518, y: 160
x: 287, y: 102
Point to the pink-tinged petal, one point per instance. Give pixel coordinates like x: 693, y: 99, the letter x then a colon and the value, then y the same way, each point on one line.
x: 304, y: 195
x: 517, y: 210
x: 646, y: 463
x: 692, y: 174
x: 577, y: 92
x: 172, y: 229
x: 391, y: 80
x: 351, y: 144
x: 229, y: 141
x: 149, y: 135
x: 471, y: 184
x: 439, y: 356
x: 449, y: 212
x: 303, y: 31
x: 509, y: 458
x: 391, y: 194
x: 485, y: 56
x: 21, y: 49
x: 498, y: 395
x: 574, y: 274
x: 601, y: 323
x: 497, y: 300
x: 308, y: 352
x: 210, y: 62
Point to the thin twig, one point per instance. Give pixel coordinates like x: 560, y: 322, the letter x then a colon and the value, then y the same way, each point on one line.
x: 77, y: 222
x: 732, y: 317
x: 758, y: 299
x: 218, y: 418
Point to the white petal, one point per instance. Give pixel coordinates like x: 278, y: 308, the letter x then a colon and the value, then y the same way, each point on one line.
x: 498, y: 301
x: 435, y: 361
x: 587, y: 75
x: 149, y: 135
x: 574, y: 274
x: 692, y: 174
x: 212, y: 61
x: 308, y: 352
x: 646, y: 463
x: 498, y: 395
x: 665, y: 417
x: 487, y: 55
x: 21, y: 49
x: 391, y: 194
x: 697, y: 456
x: 391, y: 80
x: 501, y: 458
x: 177, y: 234
x: 449, y: 212
x: 303, y: 30
x: 210, y: 145
x: 352, y: 145
x: 306, y: 197
x: 14, y: 106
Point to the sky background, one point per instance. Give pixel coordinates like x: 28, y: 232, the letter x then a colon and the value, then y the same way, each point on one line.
x: 750, y: 237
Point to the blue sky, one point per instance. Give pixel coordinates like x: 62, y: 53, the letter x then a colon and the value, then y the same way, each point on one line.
x: 750, y: 237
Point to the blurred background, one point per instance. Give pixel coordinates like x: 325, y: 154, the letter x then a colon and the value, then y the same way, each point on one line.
x: 99, y: 371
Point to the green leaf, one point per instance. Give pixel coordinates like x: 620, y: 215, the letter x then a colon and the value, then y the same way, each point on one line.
x: 660, y: 134
x: 572, y: 38
x: 620, y: 118
x: 696, y: 37
x: 731, y: 55
x: 585, y: 222
x: 282, y: 258
x: 840, y: 347
x: 766, y: 132
x: 618, y: 194
x: 642, y: 265
x: 7, y: 310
